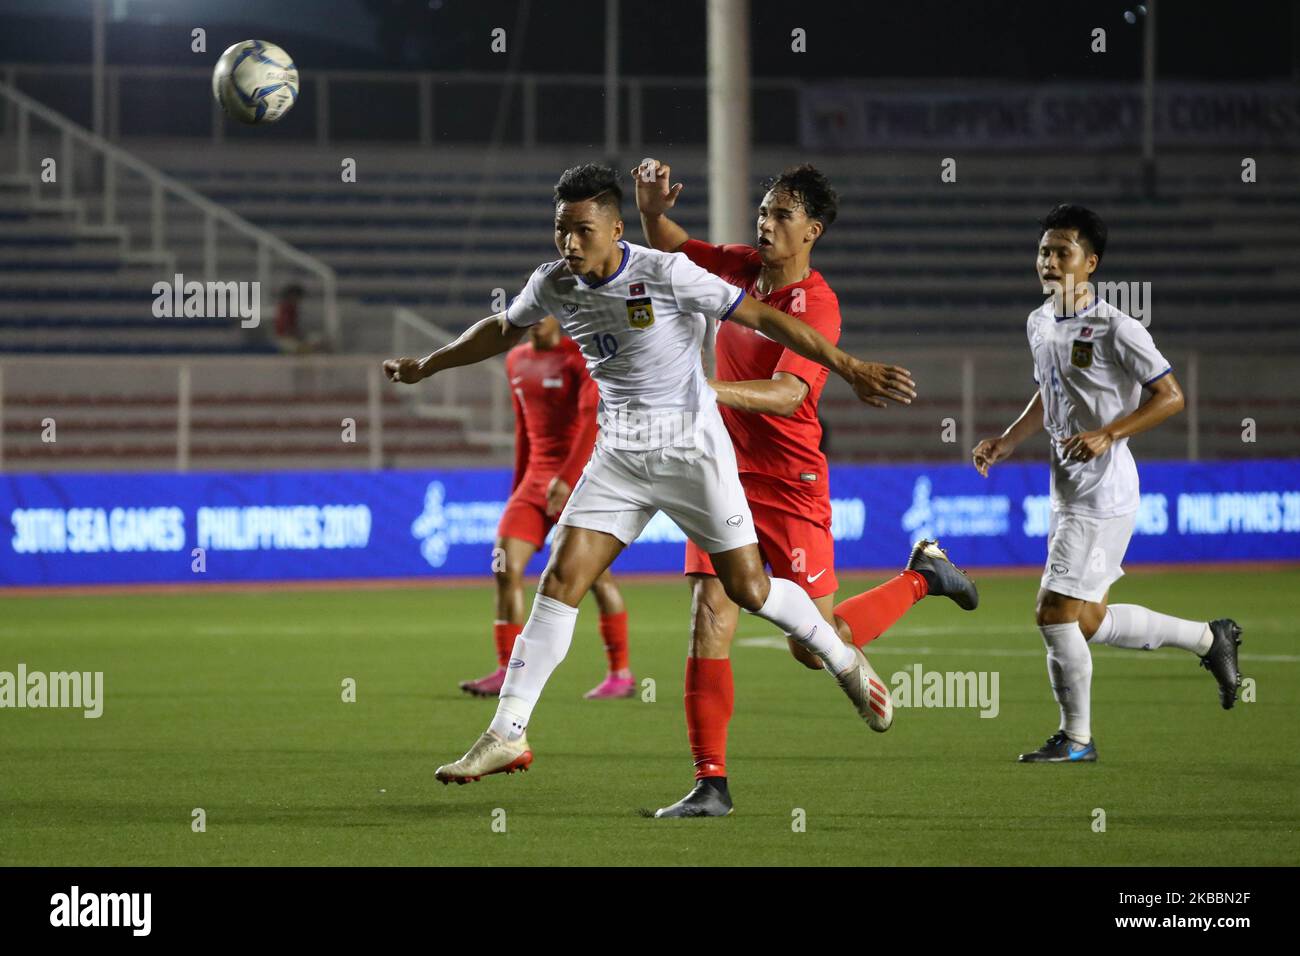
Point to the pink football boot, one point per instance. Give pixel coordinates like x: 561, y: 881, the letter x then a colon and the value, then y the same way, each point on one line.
x: 489, y: 686
x: 613, y: 687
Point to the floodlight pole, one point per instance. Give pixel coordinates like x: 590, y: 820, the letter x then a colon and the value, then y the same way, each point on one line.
x: 729, y: 133
x: 729, y: 122
x: 97, y: 71
x: 1149, y: 99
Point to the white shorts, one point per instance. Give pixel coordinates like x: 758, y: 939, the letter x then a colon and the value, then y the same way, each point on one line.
x: 1085, y: 555
x: 697, y: 486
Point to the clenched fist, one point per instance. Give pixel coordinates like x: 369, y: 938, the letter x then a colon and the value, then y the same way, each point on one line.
x: 404, y: 370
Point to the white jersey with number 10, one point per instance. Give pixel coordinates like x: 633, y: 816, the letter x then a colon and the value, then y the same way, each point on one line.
x: 640, y: 331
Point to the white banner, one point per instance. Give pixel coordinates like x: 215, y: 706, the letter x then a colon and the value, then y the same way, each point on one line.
x: 1080, y: 117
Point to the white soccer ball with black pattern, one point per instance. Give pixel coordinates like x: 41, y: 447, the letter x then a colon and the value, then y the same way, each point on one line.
x: 255, y: 82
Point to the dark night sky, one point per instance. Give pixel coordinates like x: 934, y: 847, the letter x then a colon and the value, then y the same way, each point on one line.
x: 1014, y: 39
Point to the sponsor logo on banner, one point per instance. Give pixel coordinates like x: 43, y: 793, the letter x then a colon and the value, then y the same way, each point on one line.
x: 1234, y: 512
x: 1152, y: 515
x: 74, y: 529
x: 955, y: 516
x: 443, y: 523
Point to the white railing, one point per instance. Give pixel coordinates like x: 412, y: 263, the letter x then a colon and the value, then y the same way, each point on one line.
x: 415, y: 336
x: 317, y: 86
x: 87, y: 382
x: 77, y: 391
x: 22, y: 109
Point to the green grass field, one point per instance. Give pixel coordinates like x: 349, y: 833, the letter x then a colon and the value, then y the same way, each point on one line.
x: 232, y: 703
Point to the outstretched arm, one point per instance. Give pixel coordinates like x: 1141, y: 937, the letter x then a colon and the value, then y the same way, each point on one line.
x: 654, y: 197
x: 990, y: 451
x: 482, y: 340
x: 872, y: 382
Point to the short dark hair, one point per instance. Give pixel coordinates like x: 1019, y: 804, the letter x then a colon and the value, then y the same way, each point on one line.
x: 810, y: 188
x: 590, y: 181
x: 1081, y: 219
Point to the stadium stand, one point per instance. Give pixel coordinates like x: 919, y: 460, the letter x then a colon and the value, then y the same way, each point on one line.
x: 933, y: 275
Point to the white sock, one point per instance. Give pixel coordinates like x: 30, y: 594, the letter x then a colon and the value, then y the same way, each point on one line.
x: 1133, y: 626
x: 538, y: 650
x: 790, y: 608
x: 1069, y: 667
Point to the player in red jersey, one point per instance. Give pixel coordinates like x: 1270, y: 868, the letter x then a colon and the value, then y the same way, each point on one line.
x: 555, y: 428
x: 769, y: 401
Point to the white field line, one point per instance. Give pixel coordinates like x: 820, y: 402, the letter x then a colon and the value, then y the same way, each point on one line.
x: 780, y: 643
x: 161, y: 629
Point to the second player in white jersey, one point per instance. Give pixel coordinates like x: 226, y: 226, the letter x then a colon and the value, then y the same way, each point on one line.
x: 640, y: 331
x: 1091, y: 368
x: 1101, y: 380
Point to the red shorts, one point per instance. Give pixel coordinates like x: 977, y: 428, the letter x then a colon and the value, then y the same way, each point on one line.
x: 794, y: 547
x: 525, y: 517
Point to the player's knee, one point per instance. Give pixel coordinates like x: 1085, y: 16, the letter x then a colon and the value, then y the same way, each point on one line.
x: 1090, y: 620
x: 605, y: 590
x: 509, y: 578
x: 749, y: 593
x: 1049, y: 611
x: 558, y: 583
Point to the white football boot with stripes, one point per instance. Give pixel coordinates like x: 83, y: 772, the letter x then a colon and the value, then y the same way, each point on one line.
x: 869, y: 694
x: 490, y: 754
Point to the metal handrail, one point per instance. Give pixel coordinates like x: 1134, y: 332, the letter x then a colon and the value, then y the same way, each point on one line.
x: 161, y: 184
x: 424, y: 81
x: 499, y: 432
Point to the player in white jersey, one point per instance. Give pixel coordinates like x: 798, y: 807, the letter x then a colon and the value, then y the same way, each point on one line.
x: 1093, y: 364
x: 639, y: 317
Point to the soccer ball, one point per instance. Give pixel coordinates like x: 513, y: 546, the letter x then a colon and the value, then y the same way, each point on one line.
x: 255, y: 82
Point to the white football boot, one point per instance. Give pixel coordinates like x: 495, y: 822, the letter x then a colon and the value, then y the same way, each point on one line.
x: 490, y: 754
x: 869, y: 694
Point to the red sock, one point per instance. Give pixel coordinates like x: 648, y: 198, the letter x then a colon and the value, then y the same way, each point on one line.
x: 505, y: 634
x: 710, y: 698
x: 613, y: 631
x: 873, y: 612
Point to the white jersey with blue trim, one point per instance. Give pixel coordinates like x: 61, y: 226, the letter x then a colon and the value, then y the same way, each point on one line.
x: 640, y: 331
x: 1090, y: 369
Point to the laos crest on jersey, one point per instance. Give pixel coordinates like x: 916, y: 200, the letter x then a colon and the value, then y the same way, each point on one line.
x: 640, y: 313
x: 1081, y: 354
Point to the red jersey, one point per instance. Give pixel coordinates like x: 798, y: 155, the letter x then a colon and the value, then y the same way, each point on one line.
x: 555, y: 413
x: 779, y: 456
